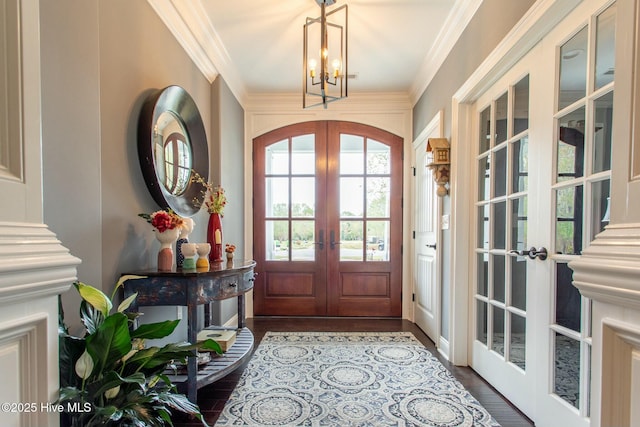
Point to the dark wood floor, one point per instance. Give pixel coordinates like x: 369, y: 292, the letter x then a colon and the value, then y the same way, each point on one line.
x: 212, y: 398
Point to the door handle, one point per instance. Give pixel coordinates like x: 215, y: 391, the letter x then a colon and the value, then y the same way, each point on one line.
x: 533, y: 253
x: 332, y: 240
x: 320, y: 241
x: 538, y: 253
x: 431, y: 246
x: 520, y: 253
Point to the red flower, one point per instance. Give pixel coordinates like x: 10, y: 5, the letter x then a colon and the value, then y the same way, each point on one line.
x: 163, y: 220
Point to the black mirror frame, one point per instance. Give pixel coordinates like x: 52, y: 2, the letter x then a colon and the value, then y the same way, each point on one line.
x: 177, y: 101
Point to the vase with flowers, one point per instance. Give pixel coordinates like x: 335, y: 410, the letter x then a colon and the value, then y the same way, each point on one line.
x: 167, y: 226
x: 215, y: 201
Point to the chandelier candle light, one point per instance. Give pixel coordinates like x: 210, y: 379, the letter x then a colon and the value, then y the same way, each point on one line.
x: 329, y: 31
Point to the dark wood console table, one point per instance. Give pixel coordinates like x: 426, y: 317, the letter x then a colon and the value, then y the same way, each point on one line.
x: 192, y: 288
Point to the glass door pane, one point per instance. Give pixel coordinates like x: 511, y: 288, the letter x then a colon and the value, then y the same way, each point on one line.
x: 365, y: 210
x: 503, y: 168
x: 290, y: 206
x: 583, y: 171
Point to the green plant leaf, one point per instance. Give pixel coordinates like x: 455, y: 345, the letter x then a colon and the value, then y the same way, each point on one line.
x: 127, y: 303
x: 70, y: 350
x: 110, y: 342
x: 154, y: 357
x: 181, y: 403
x: 155, y: 330
x: 95, y: 297
x: 210, y: 344
x: 112, y: 379
x: 68, y: 394
x: 90, y: 316
x: 110, y: 412
x: 124, y: 278
x: 62, y: 328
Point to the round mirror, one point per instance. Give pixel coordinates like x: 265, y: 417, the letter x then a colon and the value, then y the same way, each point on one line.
x: 171, y: 144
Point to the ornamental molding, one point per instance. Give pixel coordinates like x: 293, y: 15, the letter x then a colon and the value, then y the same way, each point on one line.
x: 609, y: 269
x: 33, y: 263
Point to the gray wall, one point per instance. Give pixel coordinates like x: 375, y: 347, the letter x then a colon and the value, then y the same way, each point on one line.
x: 100, y: 60
x: 228, y: 163
x: 493, y: 20
x: 70, y: 69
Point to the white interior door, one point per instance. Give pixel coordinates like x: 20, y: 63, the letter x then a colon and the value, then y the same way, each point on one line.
x: 543, y: 183
x: 581, y: 114
x: 426, y: 263
x: 506, y: 216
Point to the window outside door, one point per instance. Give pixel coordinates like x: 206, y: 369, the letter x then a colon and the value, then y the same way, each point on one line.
x: 328, y: 221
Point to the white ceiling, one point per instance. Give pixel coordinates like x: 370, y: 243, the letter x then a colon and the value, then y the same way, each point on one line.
x: 394, y: 45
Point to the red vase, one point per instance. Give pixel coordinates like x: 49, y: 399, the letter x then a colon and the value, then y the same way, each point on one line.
x: 214, y: 237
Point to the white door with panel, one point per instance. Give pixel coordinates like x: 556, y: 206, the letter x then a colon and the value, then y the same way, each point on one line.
x: 426, y: 268
x: 543, y: 162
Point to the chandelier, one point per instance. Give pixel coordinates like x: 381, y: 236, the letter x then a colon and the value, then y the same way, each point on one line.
x: 324, y: 56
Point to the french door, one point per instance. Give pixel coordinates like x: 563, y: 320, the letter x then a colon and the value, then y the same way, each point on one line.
x: 328, y: 221
x: 543, y: 167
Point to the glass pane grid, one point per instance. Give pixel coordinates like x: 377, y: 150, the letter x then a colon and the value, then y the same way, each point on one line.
x: 365, y: 210
x: 583, y: 149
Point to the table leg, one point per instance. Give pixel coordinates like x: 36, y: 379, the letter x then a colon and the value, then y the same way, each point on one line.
x: 241, y: 311
x: 192, y: 362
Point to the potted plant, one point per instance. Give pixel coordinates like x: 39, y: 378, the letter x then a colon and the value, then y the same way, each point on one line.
x: 108, y: 377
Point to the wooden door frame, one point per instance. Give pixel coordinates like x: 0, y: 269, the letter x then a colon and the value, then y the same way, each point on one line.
x: 330, y: 132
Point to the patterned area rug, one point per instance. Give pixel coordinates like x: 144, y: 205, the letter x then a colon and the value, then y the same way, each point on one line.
x: 349, y: 379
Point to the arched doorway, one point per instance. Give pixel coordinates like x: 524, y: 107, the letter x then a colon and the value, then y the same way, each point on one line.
x: 328, y: 220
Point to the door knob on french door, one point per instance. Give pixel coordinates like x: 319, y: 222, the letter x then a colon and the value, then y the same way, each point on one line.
x: 540, y: 253
x: 533, y: 253
x: 431, y: 246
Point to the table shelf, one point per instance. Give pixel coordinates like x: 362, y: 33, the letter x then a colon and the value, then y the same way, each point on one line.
x: 220, y: 365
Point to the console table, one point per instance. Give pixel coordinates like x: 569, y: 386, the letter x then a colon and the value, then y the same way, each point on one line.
x: 192, y: 288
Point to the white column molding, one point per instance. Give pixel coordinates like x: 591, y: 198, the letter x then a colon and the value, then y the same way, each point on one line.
x: 33, y: 263
x: 609, y: 269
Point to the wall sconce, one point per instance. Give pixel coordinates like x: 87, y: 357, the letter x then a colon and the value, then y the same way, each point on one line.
x: 438, y: 161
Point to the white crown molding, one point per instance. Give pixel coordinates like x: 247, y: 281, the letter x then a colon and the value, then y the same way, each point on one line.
x: 169, y: 14
x: 33, y: 263
x: 188, y: 22
x: 609, y: 268
x: 454, y: 26
x: 288, y: 102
